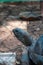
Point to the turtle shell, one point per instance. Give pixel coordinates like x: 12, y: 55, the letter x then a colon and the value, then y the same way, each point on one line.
x: 36, y: 51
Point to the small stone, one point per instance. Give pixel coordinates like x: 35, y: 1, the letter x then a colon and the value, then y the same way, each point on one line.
x: 37, y: 29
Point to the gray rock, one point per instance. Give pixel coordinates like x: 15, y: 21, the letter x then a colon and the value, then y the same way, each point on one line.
x: 31, y: 16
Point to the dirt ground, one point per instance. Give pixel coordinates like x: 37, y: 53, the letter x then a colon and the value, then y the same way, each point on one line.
x: 8, y: 41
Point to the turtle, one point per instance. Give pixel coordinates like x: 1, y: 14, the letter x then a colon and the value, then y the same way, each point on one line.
x: 34, y: 46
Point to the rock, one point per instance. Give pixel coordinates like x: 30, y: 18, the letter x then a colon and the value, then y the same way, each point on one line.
x: 23, y: 36
x: 31, y: 16
x: 7, y: 58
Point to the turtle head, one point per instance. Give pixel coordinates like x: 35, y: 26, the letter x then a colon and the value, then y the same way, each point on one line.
x: 19, y: 34
x: 23, y: 36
